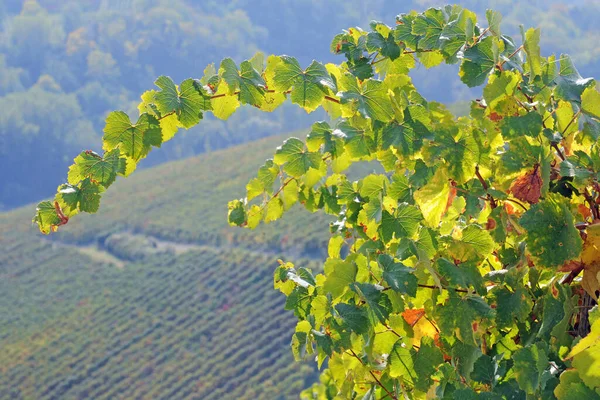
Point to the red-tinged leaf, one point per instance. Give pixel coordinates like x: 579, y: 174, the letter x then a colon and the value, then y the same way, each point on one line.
x: 413, y: 316
x: 528, y: 187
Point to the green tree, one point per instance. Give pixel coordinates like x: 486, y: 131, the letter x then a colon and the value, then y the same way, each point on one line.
x: 468, y: 268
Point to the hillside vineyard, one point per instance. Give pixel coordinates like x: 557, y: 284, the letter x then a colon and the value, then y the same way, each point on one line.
x: 470, y: 267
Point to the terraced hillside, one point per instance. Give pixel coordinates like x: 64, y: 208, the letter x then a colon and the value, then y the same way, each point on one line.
x: 155, y: 297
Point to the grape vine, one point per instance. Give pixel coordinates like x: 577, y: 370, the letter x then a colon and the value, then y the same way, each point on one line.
x: 468, y: 267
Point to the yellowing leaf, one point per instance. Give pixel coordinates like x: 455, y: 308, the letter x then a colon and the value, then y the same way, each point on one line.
x: 432, y: 198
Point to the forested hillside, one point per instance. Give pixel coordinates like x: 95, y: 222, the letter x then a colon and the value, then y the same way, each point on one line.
x: 145, y: 308
x: 64, y: 64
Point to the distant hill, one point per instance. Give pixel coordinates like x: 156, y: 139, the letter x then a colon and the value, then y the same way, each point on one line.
x: 154, y: 297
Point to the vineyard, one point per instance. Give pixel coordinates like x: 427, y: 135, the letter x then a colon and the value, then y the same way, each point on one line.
x: 161, y: 313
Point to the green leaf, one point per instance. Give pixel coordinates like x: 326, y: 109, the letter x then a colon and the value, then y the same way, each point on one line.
x: 378, y: 304
x: 133, y: 141
x: 340, y: 274
x: 308, y: 87
x: 85, y: 196
x: 321, y: 138
x: 586, y: 357
x: 511, y: 306
x: 400, y: 277
x: 237, y: 213
x: 456, y: 33
x: 529, y: 124
x: 426, y: 362
x: 532, y: 49
x: 569, y: 83
x: 100, y: 169
x: 429, y: 26
x: 370, y: 98
x: 387, y: 47
x: 247, y: 80
x: 551, y: 234
x: 529, y: 364
x: 401, y: 363
x: 458, y: 314
x: 493, y: 19
x: 296, y: 160
x: 465, y: 275
x: 355, y: 318
x: 404, y: 222
x: 402, y: 137
x: 590, y: 102
x: 400, y: 188
x: 372, y: 186
x: 500, y: 87
x: 46, y: 217
x: 475, y: 244
x: 479, y: 61
x: 186, y: 102
x: 571, y: 387
x: 461, y: 152
x: 358, y: 142
x: 485, y: 370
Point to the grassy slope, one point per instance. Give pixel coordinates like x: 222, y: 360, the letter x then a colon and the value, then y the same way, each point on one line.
x: 141, y: 316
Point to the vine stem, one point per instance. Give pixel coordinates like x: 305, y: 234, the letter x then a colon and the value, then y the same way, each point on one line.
x: 478, y: 38
x: 374, y: 377
x: 510, y: 56
x: 166, y: 115
x: 417, y: 51
x: 558, y: 151
x: 555, y: 145
x: 584, y: 320
x: 491, y: 199
x: 592, y: 203
x: 517, y: 202
x: 575, y: 116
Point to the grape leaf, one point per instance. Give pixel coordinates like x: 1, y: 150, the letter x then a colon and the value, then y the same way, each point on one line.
x: 400, y: 277
x: 355, y: 318
x: 133, y: 141
x: 458, y: 314
x: 532, y: 49
x: 479, y: 61
x: 426, y: 362
x: 370, y: 98
x: 401, y: 363
x: 551, y: 234
x: 404, y: 222
x: 246, y: 79
x: 378, y: 303
x: 46, y: 217
x: 296, y: 160
x: 103, y: 170
x: 429, y: 26
x: 308, y: 87
x: 530, y: 363
x: 186, y: 102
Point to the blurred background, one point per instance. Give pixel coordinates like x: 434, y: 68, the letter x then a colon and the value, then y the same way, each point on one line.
x: 155, y: 297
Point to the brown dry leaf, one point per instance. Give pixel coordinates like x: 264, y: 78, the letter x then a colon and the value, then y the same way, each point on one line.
x: 528, y: 187
x: 413, y: 316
